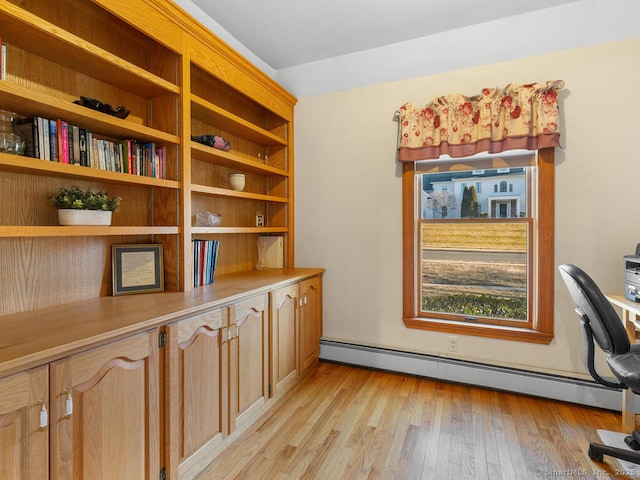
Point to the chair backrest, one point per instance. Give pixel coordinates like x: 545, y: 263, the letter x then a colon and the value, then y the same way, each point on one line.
x: 608, y: 331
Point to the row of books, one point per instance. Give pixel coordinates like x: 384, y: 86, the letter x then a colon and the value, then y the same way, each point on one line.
x: 59, y: 141
x: 205, y: 257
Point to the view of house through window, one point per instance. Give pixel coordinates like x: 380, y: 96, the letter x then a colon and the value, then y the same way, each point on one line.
x: 474, y: 245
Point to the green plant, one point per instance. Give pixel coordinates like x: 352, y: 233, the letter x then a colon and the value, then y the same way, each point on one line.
x: 477, y: 305
x: 78, y: 199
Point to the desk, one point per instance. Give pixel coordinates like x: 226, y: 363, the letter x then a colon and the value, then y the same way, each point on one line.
x: 630, y: 314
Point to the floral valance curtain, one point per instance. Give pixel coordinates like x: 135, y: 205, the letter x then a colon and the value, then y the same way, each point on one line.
x: 499, y: 119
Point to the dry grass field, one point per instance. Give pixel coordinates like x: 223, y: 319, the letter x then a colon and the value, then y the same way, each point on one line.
x: 444, y: 278
x: 475, y: 236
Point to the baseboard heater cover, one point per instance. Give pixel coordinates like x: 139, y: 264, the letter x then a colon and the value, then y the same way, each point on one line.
x: 555, y: 387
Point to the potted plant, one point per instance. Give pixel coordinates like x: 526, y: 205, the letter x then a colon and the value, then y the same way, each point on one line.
x: 84, y: 207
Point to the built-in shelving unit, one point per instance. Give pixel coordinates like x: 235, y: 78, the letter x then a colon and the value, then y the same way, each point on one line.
x: 178, y: 80
x: 191, y: 367
x: 259, y: 149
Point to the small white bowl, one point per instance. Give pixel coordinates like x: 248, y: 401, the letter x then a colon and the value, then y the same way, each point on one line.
x: 236, y: 181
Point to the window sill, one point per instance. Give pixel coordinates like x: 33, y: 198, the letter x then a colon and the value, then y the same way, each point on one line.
x: 476, y: 330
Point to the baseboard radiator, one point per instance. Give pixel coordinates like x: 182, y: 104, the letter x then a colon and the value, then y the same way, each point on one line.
x: 549, y: 386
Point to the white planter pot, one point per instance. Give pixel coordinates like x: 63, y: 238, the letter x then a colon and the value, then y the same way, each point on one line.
x: 84, y: 217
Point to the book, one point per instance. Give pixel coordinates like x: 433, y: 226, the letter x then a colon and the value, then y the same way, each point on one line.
x: 83, y: 144
x: 3, y: 61
x: 27, y: 130
x: 271, y: 251
x: 46, y: 140
x: 63, y: 146
x: 53, y: 141
x: 74, y: 145
x: 205, y: 258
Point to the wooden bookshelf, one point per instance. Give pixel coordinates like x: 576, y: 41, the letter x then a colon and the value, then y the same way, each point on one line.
x: 178, y: 80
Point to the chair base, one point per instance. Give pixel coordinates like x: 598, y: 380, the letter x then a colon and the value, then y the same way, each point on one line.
x: 597, y: 451
x: 633, y: 440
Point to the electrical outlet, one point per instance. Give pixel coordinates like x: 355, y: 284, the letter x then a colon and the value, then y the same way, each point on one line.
x: 453, y: 343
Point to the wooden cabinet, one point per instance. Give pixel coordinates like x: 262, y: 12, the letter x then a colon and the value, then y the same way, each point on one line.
x: 24, y: 430
x: 222, y: 366
x: 178, y: 80
x: 103, y: 395
x: 248, y: 360
x: 197, y: 409
x: 295, y: 317
x: 284, y: 331
x: 310, y: 302
x: 105, y: 412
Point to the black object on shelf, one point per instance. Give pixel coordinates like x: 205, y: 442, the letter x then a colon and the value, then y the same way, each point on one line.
x: 92, y: 103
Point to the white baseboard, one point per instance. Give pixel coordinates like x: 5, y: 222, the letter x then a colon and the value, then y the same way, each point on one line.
x: 554, y: 387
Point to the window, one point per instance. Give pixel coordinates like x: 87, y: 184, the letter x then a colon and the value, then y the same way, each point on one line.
x: 489, y: 273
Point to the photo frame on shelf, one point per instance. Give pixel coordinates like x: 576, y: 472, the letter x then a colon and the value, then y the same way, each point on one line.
x: 137, y: 268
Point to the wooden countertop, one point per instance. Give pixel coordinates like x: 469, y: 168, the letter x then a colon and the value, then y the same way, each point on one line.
x: 36, y: 337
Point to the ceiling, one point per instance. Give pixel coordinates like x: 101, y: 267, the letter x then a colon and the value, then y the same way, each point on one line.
x: 286, y: 33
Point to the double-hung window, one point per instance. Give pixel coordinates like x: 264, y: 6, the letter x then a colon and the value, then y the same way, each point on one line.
x: 478, y: 255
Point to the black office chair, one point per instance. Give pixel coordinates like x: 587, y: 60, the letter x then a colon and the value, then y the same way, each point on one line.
x: 601, y: 323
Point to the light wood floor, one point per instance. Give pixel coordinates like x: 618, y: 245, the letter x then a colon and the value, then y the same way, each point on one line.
x: 343, y: 422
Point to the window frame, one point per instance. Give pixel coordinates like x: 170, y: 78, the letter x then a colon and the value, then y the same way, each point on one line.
x: 541, y: 329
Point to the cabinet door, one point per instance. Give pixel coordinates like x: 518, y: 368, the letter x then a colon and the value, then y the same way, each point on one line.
x: 310, y: 321
x: 248, y: 360
x: 24, y: 439
x: 197, y: 407
x: 284, y: 338
x: 105, y: 412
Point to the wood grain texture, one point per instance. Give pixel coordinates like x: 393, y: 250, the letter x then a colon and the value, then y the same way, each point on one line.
x: 310, y: 322
x: 342, y: 422
x: 113, y: 430
x: 284, y: 333
x: 177, y: 79
x: 24, y: 446
x: 39, y: 336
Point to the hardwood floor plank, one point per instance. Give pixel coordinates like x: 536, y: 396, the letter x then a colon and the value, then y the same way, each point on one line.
x: 345, y: 423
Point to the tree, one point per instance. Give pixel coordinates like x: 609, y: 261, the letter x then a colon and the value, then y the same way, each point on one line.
x: 469, y: 206
x: 441, y: 201
x: 474, y: 208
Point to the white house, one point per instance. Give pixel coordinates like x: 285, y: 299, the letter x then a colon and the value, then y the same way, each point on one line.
x: 501, y: 192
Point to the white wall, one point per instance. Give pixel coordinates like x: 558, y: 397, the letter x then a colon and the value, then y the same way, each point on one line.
x: 348, y: 192
x: 348, y: 196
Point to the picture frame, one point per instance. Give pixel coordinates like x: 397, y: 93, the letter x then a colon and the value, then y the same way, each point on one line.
x: 137, y: 268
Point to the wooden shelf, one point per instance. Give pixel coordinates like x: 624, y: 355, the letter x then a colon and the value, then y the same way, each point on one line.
x: 224, y: 192
x: 16, y: 163
x: 233, y: 160
x: 82, y: 231
x: 258, y: 230
x: 30, y: 32
x: 214, y: 115
x: 28, y: 102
